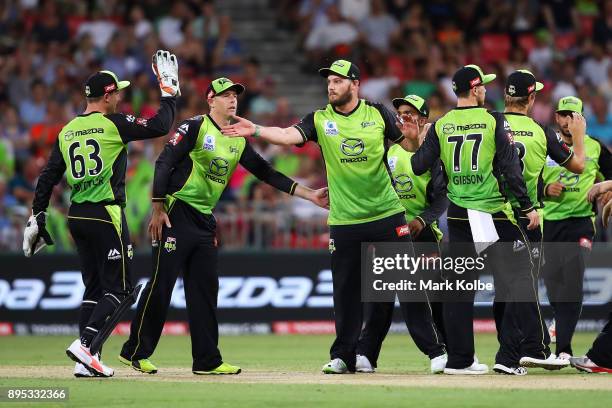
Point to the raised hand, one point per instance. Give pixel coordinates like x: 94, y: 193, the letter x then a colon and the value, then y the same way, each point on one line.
x: 165, y: 67
x: 242, y: 128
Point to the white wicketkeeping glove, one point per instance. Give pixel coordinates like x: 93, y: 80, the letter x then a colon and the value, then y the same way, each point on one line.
x: 35, y: 236
x: 165, y: 67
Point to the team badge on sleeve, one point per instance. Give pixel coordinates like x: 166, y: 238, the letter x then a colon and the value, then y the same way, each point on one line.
x: 170, y: 244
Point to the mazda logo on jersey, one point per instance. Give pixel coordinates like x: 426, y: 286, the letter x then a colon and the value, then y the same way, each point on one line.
x: 352, y: 147
x: 568, y: 179
x: 403, y: 183
x: 219, y: 166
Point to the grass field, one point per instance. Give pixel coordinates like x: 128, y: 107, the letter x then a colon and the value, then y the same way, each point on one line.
x: 284, y: 371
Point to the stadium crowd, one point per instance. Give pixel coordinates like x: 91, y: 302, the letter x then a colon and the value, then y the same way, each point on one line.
x: 48, y: 48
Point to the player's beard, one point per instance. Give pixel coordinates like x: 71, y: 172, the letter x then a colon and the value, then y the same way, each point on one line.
x: 341, y: 99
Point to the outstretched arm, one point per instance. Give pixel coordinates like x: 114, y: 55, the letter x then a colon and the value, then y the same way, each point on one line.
x: 275, y: 135
x: 262, y: 169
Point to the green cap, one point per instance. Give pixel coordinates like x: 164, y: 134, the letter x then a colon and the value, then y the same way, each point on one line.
x: 569, y: 104
x: 220, y: 85
x: 343, y: 68
x: 415, y: 101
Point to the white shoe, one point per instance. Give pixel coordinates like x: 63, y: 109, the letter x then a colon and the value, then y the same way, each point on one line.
x: 438, y: 364
x: 363, y: 365
x: 80, y: 354
x: 81, y: 371
x: 552, y: 332
x: 564, y: 356
x: 550, y: 363
x: 335, y: 366
x: 502, y: 369
x: 475, y: 369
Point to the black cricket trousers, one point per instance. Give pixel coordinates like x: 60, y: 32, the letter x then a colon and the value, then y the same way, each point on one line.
x: 346, y: 274
x: 188, y: 246
x: 563, y: 273
x: 520, y: 328
x: 102, y: 239
x: 379, y: 316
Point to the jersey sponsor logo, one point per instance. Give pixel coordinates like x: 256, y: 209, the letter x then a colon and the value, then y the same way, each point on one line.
x: 130, y: 118
x: 175, y: 139
x: 142, y: 121
x: 352, y: 146
x: 130, y: 251
x: 402, y: 183
x: 472, y: 126
x: 569, y: 179
x: 392, y: 162
x: 367, y: 124
x: 585, y: 243
x: 522, y: 133
x: 170, y: 244
x: 403, y: 230
x: 233, y: 149
x: 209, y: 143
x: 331, y: 128
x: 218, y: 166
x: 331, y: 246
x: 470, y: 179
x: 71, y: 134
x: 114, y: 255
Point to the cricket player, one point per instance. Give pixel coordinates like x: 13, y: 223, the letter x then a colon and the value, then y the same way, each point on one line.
x: 599, y: 358
x: 476, y: 150
x: 534, y: 143
x: 424, y: 198
x: 190, y: 174
x: 93, y: 149
x: 363, y: 204
x: 569, y: 218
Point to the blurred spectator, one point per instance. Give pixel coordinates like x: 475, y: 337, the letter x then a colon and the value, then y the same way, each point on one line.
x: 560, y: 16
x: 23, y: 183
x: 141, y: 26
x: 541, y: 56
x: 595, y: 67
x: 44, y: 134
x: 99, y: 28
x: 565, y: 84
x: 599, y: 124
x: 354, y: 10
x: 13, y: 134
x: 225, y: 50
x: 263, y: 106
x: 253, y: 81
x: 170, y: 26
x: 335, y: 32
x: 34, y: 109
x: 379, y: 27
x: 378, y: 86
x: 50, y: 27
x: 206, y: 25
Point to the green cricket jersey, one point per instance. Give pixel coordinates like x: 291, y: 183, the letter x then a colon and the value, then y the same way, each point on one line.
x: 423, y: 196
x: 573, y: 200
x: 198, y: 162
x: 476, y: 148
x: 533, y: 144
x: 92, y: 150
x: 353, y: 146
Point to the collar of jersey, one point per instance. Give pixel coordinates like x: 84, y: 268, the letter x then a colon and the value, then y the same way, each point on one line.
x: 87, y: 114
x: 514, y: 113
x: 351, y: 112
x: 468, y: 107
x: 213, y: 122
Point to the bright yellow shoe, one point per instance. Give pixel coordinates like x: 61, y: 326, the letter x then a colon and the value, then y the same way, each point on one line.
x: 223, y: 369
x: 144, y: 365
